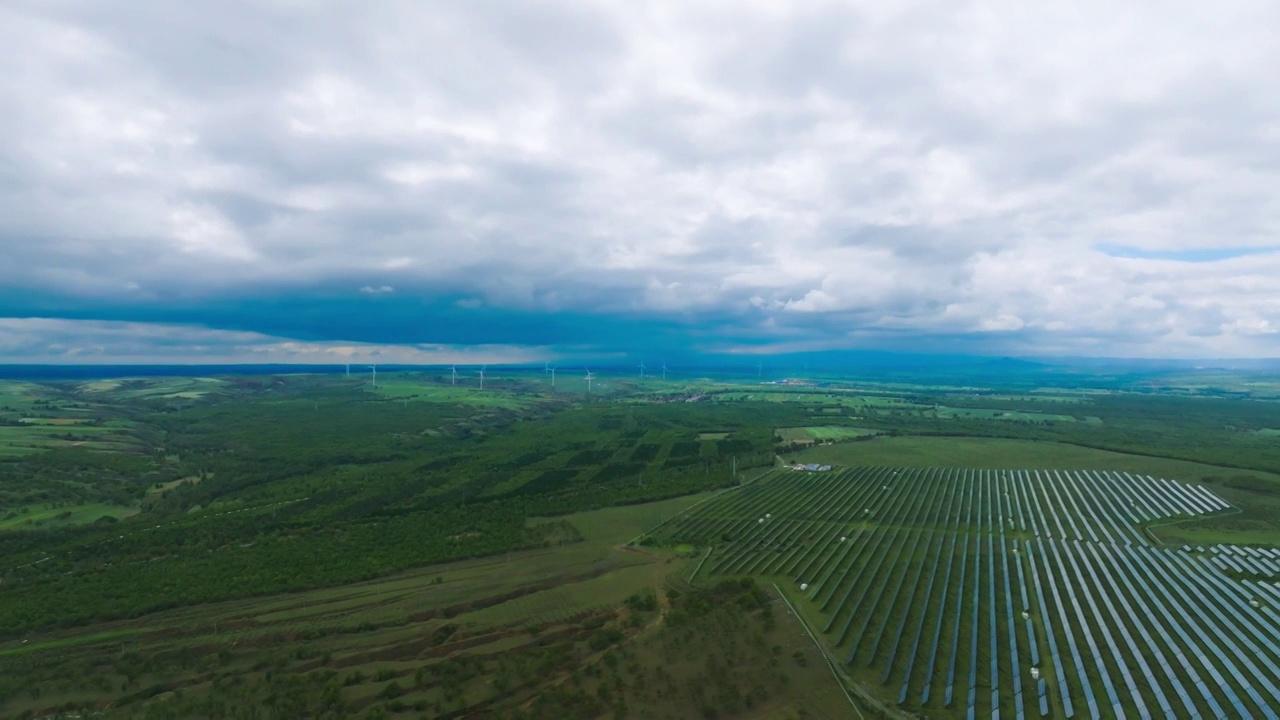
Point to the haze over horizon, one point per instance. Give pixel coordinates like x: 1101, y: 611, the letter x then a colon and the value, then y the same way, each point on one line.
x: 490, y: 182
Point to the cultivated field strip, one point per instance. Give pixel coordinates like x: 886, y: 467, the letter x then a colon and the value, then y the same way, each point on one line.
x: 1018, y: 593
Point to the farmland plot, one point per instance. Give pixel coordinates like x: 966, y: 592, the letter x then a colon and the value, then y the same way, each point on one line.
x: 969, y: 593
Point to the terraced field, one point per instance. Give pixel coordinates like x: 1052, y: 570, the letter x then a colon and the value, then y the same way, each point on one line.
x: 966, y: 593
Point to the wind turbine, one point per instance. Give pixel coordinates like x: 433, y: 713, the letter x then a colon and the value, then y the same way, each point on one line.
x: 553, y: 377
x: 348, y: 369
x: 664, y: 371
x: 374, y: 368
x: 589, y: 378
x: 642, y: 369
x: 482, y: 367
x: 453, y: 378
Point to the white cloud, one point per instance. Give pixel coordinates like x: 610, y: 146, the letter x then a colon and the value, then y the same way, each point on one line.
x: 205, y: 232
x: 841, y: 168
x: 47, y: 340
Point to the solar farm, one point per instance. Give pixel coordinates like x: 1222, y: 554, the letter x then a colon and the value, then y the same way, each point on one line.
x: 967, y: 593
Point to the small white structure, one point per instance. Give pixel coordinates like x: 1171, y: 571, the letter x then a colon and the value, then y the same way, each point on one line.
x: 842, y: 538
x: 768, y: 515
x: 1035, y: 673
x: 804, y: 586
x: 1026, y: 615
x: 761, y: 521
x: 1254, y: 603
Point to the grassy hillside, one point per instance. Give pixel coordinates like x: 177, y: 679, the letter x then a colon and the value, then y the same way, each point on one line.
x: 532, y: 633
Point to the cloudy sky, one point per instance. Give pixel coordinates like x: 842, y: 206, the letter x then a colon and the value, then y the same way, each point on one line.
x: 443, y: 181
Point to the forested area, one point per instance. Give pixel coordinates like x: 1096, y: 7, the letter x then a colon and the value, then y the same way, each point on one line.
x: 280, y: 484
x: 293, y: 490
x: 70, y: 476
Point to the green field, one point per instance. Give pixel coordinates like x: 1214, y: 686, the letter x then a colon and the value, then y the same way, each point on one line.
x: 821, y: 434
x: 1053, y: 397
x: 1003, y: 453
x: 615, y: 526
x: 32, y: 517
x: 861, y: 405
x: 36, y: 417
x: 943, y: 411
x: 1214, y: 382
x: 157, y: 388
x: 1257, y: 523
x: 160, y: 488
x: 410, y: 390
x: 817, y: 398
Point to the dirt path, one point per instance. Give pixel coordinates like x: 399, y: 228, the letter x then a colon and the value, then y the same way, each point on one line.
x: 660, y: 572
